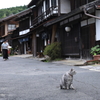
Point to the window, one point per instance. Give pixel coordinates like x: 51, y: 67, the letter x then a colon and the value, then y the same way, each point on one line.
x: 24, y: 24
x: 11, y: 27
x: 47, y: 4
x: 40, y: 9
x: 53, y: 3
x: 47, y: 7
x: 77, y: 3
x: 72, y: 4
x: 83, y: 2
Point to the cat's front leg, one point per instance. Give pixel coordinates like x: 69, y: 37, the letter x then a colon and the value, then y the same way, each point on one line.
x: 72, y: 87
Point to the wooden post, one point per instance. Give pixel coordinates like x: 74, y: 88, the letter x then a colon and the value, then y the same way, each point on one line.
x: 34, y: 44
x: 53, y: 33
x: 59, y: 3
x: 80, y: 42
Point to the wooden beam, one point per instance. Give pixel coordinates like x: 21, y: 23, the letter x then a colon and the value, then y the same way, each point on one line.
x: 59, y: 7
x: 54, y: 28
x: 34, y: 44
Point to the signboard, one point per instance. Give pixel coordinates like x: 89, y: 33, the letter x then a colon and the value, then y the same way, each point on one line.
x: 24, y: 32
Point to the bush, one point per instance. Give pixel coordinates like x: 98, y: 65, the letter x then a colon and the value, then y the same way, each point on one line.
x: 53, y: 50
x: 95, y: 50
x: 0, y: 54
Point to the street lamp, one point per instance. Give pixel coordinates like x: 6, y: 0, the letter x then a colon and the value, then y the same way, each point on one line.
x: 67, y: 29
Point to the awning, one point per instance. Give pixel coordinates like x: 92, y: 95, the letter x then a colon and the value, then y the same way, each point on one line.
x: 23, y: 40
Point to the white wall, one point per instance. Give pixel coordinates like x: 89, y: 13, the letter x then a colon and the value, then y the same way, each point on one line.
x: 65, y: 6
x: 97, y: 26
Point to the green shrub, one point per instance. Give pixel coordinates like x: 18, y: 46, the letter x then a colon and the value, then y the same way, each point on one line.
x: 95, y: 50
x: 0, y: 54
x: 53, y: 50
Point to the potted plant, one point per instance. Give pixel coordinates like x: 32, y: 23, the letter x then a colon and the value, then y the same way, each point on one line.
x: 95, y: 51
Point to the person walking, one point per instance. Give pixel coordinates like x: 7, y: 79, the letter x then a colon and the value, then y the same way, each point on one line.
x: 4, y: 47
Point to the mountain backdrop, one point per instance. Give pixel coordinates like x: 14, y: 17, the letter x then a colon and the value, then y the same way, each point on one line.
x: 13, y: 10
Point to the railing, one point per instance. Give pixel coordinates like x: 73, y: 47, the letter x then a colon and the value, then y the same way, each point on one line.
x: 52, y: 10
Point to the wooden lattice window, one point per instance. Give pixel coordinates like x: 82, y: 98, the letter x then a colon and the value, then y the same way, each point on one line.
x: 24, y: 24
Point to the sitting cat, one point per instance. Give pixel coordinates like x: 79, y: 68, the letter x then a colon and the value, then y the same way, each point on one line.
x: 67, y: 79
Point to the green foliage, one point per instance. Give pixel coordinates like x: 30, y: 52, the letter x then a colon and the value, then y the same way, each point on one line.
x: 95, y: 50
x: 13, y: 10
x: 53, y: 50
x: 58, y: 59
x: 0, y: 54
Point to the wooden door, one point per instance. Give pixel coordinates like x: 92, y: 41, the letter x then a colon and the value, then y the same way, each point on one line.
x: 88, y: 39
x: 70, y: 41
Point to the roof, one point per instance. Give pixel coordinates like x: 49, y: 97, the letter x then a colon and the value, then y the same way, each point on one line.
x: 7, y: 18
x: 33, y: 2
x: 22, y: 13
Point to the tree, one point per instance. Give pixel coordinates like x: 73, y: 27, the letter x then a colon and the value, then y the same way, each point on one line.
x: 12, y: 10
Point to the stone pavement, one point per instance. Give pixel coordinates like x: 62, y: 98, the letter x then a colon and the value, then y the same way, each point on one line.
x: 68, y: 61
x: 23, y: 55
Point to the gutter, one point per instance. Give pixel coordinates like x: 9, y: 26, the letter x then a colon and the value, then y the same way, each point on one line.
x: 89, y: 6
x: 96, y: 17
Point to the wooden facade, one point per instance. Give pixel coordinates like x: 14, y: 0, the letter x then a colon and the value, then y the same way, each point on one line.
x: 6, y: 28
x: 51, y: 26
x: 21, y: 36
x: 43, y: 12
x: 15, y: 29
x: 44, y: 22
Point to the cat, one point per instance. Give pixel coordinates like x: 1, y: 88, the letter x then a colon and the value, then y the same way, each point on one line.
x: 67, y: 80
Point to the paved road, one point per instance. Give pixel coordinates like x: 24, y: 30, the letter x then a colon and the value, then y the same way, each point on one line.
x: 30, y: 79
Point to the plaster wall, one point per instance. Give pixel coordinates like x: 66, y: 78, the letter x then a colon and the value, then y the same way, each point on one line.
x: 98, y: 26
x: 65, y: 6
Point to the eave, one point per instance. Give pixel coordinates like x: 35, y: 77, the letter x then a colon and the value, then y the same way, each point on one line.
x: 63, y: 17
x: 7, y: 18
x: 34, y: 2
x: 18, y: 15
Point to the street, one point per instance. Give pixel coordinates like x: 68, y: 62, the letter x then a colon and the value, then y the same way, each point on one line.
x: 31, y: 79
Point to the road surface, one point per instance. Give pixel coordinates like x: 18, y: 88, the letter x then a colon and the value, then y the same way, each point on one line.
x: 31, y: 79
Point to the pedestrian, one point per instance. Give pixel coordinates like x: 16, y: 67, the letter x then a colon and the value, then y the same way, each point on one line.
x: 4, y: 47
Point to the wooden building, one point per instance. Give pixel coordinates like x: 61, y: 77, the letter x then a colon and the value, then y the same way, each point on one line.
x: 65, y: 21
x: 21, y: 37
x: 43, y: 12
x: 6, y: 28
x: 74, y: 23
x: 16, y: 28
